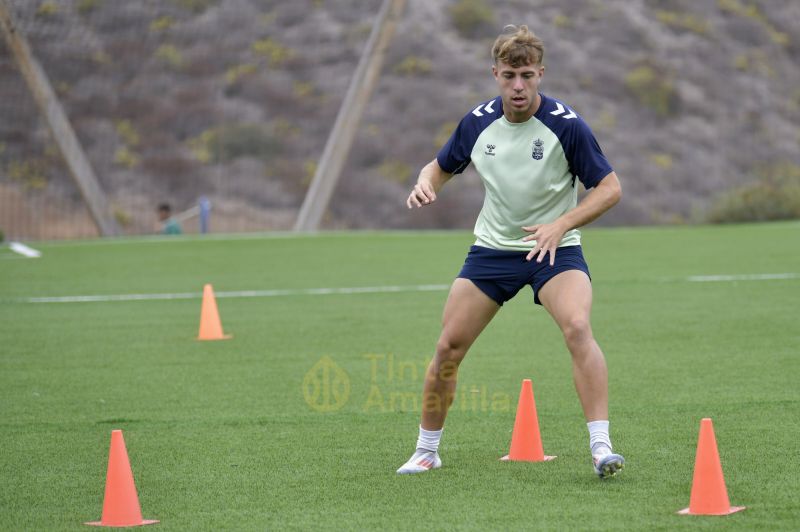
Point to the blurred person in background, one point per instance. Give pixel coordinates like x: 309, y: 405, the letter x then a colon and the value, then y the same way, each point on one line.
x: 167, y: 225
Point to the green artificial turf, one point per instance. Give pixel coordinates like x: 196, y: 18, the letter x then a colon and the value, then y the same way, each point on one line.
x: 221, y: 435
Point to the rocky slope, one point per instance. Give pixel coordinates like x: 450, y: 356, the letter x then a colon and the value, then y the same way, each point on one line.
x: 233, y: 99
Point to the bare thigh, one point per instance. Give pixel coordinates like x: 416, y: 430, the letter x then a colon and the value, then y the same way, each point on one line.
x: 467, y: 312
x: 568, y: 299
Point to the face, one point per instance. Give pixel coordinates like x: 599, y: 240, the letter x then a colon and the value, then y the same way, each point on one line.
x: 519, y: 88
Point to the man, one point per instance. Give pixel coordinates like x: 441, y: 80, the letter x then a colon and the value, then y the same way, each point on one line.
x: 167, y: 224
x: 529, y: 149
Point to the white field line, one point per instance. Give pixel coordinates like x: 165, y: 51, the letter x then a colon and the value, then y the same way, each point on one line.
x: 346, y: 290
x: 744, y: 277
x: 241, y: 293
x: 230, y: 237
x: 25, y: 251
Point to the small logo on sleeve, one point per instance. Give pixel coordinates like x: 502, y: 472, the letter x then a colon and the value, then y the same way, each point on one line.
x: 560, y: 110
x: 538, y: 149
x: 490, y: 150
x: 486, y: 108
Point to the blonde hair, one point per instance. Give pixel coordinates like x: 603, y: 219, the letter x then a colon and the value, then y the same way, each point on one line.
x: 517, y: 46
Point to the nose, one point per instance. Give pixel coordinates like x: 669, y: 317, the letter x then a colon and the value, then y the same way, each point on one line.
x: 518, y: 85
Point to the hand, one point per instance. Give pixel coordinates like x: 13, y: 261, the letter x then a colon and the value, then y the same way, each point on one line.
x: 423, y: 194
x: 547, y: 236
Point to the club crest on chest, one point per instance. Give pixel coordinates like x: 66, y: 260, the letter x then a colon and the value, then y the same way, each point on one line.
x: 538, y: 149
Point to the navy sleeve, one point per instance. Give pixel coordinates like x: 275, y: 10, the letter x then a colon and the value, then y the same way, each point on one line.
x: 586, y: 159
x: 454, y: 156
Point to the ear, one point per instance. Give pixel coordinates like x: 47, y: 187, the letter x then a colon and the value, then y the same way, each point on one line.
x: 495, y: 73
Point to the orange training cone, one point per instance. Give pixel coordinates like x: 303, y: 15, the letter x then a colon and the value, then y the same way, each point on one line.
x: 709, y: 494
x: 210, y: 326
x: 526, y: 443
x: 120, y: 503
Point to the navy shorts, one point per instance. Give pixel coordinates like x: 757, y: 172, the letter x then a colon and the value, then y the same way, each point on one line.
x: 500, y: 274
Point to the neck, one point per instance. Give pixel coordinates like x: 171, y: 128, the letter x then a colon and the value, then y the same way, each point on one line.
x: 523, y: 116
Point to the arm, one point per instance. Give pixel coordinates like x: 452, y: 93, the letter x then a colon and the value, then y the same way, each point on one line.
x: 430, y: 181
x: 548, y: 236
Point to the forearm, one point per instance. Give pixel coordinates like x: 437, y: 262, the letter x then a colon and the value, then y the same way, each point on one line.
x: 431, y: 179
x: 604, y: 196
x: 433, y: 174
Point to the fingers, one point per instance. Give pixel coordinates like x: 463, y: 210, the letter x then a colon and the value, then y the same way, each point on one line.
x: 540, y: 252
x: 413, y: 199
x: 541, y: 249
x: 422, y: 194
x: 543, y: 235
x: 545, y: 251
x: 536, y: 248
x: 530, y: 229
x: 428, y: 195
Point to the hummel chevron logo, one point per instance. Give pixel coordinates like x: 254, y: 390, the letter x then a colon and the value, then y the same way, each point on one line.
x: 560, y: 110
x: 487, y: 108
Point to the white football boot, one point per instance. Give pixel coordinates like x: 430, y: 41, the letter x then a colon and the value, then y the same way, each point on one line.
x: 607, y: 464
x: 420, y: 462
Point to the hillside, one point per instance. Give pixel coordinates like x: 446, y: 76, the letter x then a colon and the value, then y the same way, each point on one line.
x: 234, y: 99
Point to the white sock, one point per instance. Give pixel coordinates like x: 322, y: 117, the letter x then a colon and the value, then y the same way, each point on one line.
x: 598, y: 437
x: 428, y: 440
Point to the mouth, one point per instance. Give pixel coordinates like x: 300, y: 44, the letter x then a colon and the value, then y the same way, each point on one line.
x: 518, y: 101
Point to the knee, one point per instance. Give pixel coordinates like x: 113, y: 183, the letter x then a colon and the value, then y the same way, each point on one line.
x: 450, y: 351
x: 577, y: 331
